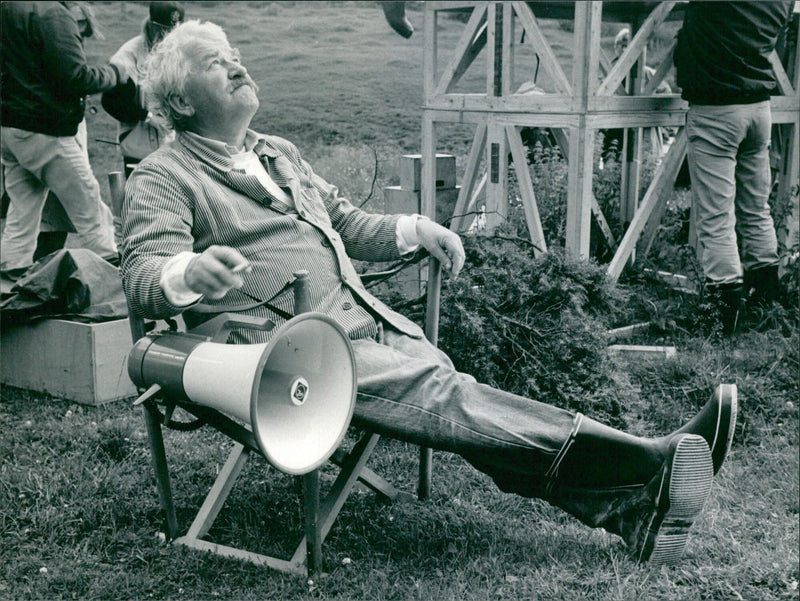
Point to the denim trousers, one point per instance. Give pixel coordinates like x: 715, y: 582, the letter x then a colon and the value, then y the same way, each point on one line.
x: 408, y: 389
x: 34, y: 163
x: 728, y: 154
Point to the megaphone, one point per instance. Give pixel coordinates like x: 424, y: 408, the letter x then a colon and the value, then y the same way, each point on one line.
x: 296, y: 392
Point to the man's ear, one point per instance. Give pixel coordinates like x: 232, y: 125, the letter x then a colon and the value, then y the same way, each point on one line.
x: 180, y: 105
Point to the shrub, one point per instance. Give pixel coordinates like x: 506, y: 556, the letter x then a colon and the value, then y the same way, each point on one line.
x: 534, y: 326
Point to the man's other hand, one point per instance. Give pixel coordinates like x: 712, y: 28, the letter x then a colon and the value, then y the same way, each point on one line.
x: 444, y: 245
x: 214, y: 272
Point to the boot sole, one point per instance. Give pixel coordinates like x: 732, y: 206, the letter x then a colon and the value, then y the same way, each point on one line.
x: 727, y: 394
x: 683, y: 491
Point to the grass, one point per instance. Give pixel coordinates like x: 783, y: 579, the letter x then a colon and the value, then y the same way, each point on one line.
x: 79, y: 512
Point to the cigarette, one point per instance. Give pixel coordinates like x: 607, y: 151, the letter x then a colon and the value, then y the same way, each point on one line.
x: 243, y: 267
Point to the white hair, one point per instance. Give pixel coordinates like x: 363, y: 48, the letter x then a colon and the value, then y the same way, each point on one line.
x: 171, y: 62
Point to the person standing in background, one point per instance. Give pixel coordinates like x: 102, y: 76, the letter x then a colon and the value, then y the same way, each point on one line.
x: 45, y: 79
x: 724, y: 72
x: 140, y: 132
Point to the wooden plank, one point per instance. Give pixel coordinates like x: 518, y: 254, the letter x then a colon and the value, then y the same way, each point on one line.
x: 549, y: 61
x: 597, y: 212
x: 496, y: 161
x: 630, y: 331
x: 429, y: 51
x: 526, y: 191
x: 637, y: 45
x: 516, y: 103
x: 784, y: 85
x: 464, y: 54
x: 655, y: 194
x: 643, y: 352
x: 219, y: 492
x: 452, y: 5
x: 465, y: 196
x: 281, y: 565
x: 663, y: 69
x: 507, y: 68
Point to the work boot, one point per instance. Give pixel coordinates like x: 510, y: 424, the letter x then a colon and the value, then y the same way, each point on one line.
x: 728, y: 300
x: 761, y: 286
x: 715, y: 422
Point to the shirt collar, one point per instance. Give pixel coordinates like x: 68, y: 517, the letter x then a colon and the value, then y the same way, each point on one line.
x: 215, y: 152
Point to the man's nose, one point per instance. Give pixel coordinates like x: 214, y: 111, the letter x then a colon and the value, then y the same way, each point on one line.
x: 235, y: 69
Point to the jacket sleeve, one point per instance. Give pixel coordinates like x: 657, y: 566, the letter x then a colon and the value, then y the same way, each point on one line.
x: 366, y: 236
x: 122, y: 103
x: 157, y: 220
x: 65, y: 60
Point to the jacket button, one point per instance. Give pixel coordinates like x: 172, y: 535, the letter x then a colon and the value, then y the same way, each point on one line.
x: 325, y: 242
x: 347, y: 306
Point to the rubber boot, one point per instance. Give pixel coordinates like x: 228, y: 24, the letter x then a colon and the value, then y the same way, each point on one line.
x: 715, y: 422
x: 646, y: 490
x: 761, y: 286
x: 728, y: 300
x: 654, y: 517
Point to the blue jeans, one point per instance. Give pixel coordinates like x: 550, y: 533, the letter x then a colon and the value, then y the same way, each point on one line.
x: 408, y: 389
x: 728, y: 156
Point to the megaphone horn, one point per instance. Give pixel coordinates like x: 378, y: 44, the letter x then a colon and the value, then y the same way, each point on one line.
x: 296, y: 392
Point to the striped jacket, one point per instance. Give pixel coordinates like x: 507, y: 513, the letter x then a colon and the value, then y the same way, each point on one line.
x: 187, y: 196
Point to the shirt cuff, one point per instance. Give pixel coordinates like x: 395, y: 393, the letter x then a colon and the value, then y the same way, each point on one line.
x: 407, y: 239
x: 173, y: 281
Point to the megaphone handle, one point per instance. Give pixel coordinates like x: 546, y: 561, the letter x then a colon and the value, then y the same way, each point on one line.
x: 300, y: 285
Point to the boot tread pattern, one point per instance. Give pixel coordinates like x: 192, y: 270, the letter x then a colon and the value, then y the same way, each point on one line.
x: 690, y: 476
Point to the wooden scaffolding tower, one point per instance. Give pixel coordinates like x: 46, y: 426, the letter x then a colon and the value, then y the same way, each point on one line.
x: 598, y: 95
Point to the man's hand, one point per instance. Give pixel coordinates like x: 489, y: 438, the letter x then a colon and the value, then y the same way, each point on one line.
x: 444, y: 245
x: 216, y: 271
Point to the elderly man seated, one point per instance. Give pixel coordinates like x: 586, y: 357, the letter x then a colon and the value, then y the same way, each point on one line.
x: 225, y: 214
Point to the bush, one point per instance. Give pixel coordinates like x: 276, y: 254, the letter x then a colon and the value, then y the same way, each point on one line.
x: 534, y: 326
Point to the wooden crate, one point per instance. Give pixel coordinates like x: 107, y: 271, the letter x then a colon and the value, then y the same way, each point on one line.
x: 81, y: 362
x: 411, y: 171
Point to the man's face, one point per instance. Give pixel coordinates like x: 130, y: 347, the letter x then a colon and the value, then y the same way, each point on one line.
x: 219, y: 88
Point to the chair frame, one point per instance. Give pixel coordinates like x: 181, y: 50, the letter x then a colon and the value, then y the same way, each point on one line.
x: 319, y: 516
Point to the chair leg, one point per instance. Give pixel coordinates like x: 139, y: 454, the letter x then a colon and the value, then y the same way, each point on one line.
x: 312, y: 525
x: 159, y: 456
x: 340, y: 490
x: 425, y: 469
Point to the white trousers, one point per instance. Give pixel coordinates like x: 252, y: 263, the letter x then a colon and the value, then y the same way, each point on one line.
x: 35, y: 163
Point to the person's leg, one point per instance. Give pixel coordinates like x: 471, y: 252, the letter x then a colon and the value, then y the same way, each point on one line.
x: 757, y: 237
x: 27, y: 195
x: 409, y: 390
x: 714, y: 134
x: 69, y: 175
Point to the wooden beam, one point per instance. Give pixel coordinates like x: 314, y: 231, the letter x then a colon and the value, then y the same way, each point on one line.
x: 656, y: 193
x: 465, y: 195
x: 542, y: 47
x: 466, y: 50
x: 219, y: 492
x: 631, y: 54
x: 784, y: 85
x: 526, y: 191
x: 661, y: 72
x: 497, y: 180
x: 597, y: 212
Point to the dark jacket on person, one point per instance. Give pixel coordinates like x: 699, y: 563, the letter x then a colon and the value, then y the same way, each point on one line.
x: 722, y: 55
x: 45, y: 76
